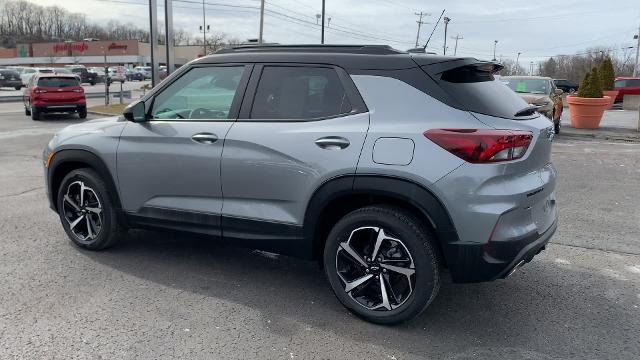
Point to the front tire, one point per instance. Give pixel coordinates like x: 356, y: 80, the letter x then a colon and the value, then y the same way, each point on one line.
x: 382, y: 264
x: 87, y: 211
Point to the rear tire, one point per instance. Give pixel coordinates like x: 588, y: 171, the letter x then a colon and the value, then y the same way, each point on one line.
x: 27, y: 111
x: 18, y: 87
x: 35, y: 114
x: 362, y: 278
x: 90, y: 220
x: 82, y: 113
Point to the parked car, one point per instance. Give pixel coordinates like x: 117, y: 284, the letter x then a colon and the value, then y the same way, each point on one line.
x: 626, y: 86
x: 86, y: 76
x: 451, y: 169
x: 48, y: 93
x: 132, y: 75
x: 113, y: 75
x: 100, y: 74
x: 162, y: 72
x: 65, y: 70
x: 540, y: 92
x: 27, y: 73
x: 145, y: 70
x: 567, y: 86
x: 10, y: 78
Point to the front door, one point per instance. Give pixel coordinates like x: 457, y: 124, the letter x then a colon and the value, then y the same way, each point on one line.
x: 169, y: 167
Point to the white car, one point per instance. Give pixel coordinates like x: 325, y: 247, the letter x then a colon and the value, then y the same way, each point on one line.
x: 144, y: 70
x: 113, y: 74
x: 27, y: 73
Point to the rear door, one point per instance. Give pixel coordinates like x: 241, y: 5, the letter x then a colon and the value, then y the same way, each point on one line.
x: 299, y: 126
x: 169, y: 167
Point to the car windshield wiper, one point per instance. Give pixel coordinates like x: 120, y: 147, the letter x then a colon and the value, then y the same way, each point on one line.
x: 529, y: 110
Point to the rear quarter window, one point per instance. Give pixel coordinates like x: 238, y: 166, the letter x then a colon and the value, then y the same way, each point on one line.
x: 478, y: 91
x: 58, y: 82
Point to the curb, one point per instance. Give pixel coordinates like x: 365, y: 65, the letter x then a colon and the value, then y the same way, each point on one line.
x: 631, y: 137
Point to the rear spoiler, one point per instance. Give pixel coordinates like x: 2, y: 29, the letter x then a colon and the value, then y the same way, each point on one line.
x: 435, y: 68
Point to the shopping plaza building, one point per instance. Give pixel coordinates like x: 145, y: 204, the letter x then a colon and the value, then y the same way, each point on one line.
x: 93, y: 53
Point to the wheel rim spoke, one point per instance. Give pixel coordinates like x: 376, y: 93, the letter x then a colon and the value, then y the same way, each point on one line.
x: 71, y: 202
x: 95, y: 210
x: 383, y: 292
x: 354, y: 284
x: 73, y: 224
x: 401, y: 270
x: 346, y: 247
x: 379, y: 240
x: 89, y: 230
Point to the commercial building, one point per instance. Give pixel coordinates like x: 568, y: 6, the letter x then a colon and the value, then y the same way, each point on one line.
x: 93, y: 53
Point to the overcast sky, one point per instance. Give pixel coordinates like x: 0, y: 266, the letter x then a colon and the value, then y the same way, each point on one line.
x: 537, y: 28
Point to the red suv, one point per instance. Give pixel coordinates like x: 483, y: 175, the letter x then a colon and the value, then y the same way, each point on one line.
x: 627, y: 86
x: 47, y: 93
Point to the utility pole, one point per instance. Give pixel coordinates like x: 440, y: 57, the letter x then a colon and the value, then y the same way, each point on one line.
x: 446, y: 25
x: 517, y: 59
x: 168, y: 34
x: 495, y: 45
x: 322, y: 36
x: 456, y: 38
x: 261, y: 21
x: 153, y: 38
x: 204, y: 29
x: 420, y: 22
x: 635, y: 65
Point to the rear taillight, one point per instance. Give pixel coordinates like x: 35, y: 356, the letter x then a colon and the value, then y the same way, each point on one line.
x: 78, y: 90
x: 39, y: 90
x: 482, y: 145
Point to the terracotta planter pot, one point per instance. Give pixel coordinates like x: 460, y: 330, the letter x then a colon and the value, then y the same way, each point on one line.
x: 586, y: 113
x: 612, y: 94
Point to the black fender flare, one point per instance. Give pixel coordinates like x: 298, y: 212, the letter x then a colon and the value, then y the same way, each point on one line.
x: 67, y: 156
x: 400, y: 189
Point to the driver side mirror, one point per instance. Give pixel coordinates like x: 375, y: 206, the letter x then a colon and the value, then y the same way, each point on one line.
x: 559, y: 92
x: 135, y: 112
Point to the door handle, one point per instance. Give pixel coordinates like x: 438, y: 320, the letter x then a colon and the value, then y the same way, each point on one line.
x: 332, y: 142
x: 205, y: 138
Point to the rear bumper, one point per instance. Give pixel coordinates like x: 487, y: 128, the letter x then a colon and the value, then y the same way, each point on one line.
x: 62, y: 107
x: 10, y: 83
x: 480, y: 263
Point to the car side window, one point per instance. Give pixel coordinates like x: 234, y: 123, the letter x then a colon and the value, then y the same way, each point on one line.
x: 299, y: 93
x: 204, y: 93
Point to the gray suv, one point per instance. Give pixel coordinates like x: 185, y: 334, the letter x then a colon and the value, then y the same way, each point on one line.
x: 386, y: 167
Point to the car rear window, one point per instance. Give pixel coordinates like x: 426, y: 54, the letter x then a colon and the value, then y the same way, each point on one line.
x: 477, y: 90
x: 58, y: 82
x: 9, y: 73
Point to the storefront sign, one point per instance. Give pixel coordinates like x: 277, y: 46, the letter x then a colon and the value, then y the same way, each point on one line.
x: 79, y: 47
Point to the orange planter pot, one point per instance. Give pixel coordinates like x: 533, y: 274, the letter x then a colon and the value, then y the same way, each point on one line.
x: 586, y: 113
x: 612, y: 94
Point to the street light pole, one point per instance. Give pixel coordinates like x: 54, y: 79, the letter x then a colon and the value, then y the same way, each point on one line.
x: 635, y: 65
x: 446, y: 25
x: 322, y: 36
x: 261, y: 22
x: 531, y: 68
x: 153, y: 38
x: 168, y: 31
x: 495, y: 45
x: 517, y: 59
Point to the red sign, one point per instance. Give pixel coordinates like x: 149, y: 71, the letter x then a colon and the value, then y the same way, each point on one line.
x: 81, y: 47
x: 114, y: 46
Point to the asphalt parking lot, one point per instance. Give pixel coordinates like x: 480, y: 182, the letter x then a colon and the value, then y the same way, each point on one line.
x: 158, y: 295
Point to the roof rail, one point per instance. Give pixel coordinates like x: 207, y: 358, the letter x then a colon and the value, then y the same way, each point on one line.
x: 354, y: 49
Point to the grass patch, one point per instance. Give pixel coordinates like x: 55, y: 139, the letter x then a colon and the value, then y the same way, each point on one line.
x: 114, y: 109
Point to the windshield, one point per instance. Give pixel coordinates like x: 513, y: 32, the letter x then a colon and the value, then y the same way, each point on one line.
x: 532, y: 86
